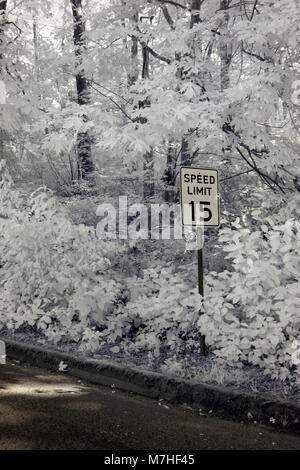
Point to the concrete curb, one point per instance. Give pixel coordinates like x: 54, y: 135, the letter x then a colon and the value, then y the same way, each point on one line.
x: 222, y: 401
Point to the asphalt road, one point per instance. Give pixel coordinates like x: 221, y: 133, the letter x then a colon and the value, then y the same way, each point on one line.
x: 40, y: 410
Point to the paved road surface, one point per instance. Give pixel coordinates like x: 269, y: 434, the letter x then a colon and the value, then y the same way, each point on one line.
x: 43, y: 410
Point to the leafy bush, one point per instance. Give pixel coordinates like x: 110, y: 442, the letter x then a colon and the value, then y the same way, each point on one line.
x: 160, y: 312
x: 60, y: 281
x: 252, y: 313
x: 54, y: 275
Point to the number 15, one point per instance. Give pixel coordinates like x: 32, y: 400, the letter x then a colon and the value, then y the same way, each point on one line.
x: 206, y: 209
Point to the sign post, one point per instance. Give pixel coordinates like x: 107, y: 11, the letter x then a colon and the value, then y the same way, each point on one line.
x: 200, y: 281
x: 2, y: 353
x: 200, y: 207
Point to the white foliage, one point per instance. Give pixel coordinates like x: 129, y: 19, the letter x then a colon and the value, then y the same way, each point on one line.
x: 253, y: 313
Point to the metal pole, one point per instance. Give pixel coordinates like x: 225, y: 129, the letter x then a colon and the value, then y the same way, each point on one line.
x: 200, y: 282
x: 2, y: 353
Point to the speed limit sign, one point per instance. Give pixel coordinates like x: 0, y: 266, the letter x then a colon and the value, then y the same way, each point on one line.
x: 199, y: 189
x: 200, y: 207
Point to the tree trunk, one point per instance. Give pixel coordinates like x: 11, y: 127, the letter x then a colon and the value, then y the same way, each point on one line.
x: 36, y: 56
x: 195, y: 14
x: 2, y: 85
x: 133, y: 72
x: 85, y: 162
x: 148, y: 157
x: 195, y: 19
x: 170, y: 175
x: 225, y: 48
x: 225, y: 59
x: 3, y: 4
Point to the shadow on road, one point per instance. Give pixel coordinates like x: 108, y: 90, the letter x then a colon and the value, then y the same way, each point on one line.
x: 44, y: 410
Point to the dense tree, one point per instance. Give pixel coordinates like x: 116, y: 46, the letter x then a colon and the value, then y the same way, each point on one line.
x: 205, y: 58
x: 129, y: 91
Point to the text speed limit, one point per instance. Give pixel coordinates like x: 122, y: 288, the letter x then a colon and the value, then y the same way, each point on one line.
x: 199, y: 190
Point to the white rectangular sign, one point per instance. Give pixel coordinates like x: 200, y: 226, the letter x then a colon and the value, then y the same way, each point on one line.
x: 199, y: 190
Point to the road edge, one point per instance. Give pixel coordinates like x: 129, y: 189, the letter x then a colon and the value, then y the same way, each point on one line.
x: 221, y: 401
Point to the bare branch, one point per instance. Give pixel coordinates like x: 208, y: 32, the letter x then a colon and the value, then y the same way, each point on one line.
x: 150, y: 50
x: 270, y: 182
x: 168, y: 17
x: 257, y: 56
x: 238, y: 174
x: 155, y: 54
x: 107, y: 89
x: 175, y: 4
x: 114, y: 102
x: 254, y: 8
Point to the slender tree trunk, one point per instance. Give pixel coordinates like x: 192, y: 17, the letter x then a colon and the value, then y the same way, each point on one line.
x: 225, y: 48
x: 148, y: 157
x: 85, y: 162
x: 2, y: 85
x: 36, y: 56
x: 146, y: 62
x: 169, y: 175
x: 225, y: 52
x: 35, y: 45
x: 133, y: 72
x: 148, y: 164
x: 3, y: 4
x: 195, y: 19
x: 185, y: 151
x: 148, y: 174
x: 195, y: 14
